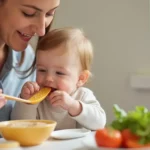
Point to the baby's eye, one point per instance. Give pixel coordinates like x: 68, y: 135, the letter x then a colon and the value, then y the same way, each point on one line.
x: 41, y: 70
x: 60, y: 73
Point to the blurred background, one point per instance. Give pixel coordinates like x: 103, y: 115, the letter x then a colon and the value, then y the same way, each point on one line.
x: 119, y: 31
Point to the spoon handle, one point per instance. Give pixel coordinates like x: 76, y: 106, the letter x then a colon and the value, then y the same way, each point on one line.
x: 15, y: 98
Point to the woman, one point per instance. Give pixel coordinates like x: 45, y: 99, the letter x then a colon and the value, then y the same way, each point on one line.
x: 20, y: 20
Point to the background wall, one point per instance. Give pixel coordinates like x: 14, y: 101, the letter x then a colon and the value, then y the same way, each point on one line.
x: 119, y: 30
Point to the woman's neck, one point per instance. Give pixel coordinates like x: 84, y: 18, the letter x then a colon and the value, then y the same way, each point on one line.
x: 2, y: 45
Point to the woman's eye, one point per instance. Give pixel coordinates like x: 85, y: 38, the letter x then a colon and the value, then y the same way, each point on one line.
x: 50, y: 14
x: 28, y: 15
x: 60, y: 73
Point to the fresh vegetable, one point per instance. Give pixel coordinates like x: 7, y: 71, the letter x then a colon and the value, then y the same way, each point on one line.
x: 131, y: 140
x: 108, y: 137
x: 127, y: 136
x: 132, y: 143
x: 134, y: 125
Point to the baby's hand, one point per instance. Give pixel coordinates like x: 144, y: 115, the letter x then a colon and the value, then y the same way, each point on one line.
x: 29, y: 89
x: 2, y: 99
x: 61, y: 99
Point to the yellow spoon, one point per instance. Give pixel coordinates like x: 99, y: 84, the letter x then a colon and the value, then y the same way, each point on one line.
x: 36, y: 98
x: 40, y: 95
x: 8, y: 97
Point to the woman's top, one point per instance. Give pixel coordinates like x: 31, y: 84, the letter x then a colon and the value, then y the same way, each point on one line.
x: 12, y: 81
x: 1, y: 87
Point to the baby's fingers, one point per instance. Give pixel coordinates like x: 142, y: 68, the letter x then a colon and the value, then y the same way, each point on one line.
x: 31, y: 87
x: 55, y: 93
x: 55, y: 99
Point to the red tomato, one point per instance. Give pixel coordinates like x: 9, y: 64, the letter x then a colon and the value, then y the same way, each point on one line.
x: 126, y: 135
x: 108, y: 138
x: 131, y: 143
x: 130, y: 140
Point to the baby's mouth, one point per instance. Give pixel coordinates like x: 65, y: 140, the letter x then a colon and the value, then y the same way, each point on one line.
x: 53, y: 89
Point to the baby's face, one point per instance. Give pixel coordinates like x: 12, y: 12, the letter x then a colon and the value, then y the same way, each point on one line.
x: 58, y: 69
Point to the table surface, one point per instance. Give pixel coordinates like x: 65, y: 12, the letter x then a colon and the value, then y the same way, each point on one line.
x: 53, y: 144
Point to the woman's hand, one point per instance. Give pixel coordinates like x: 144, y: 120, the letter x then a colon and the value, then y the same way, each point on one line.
x: 65, y: 101
x: 29, y: 89
x: 3, y: 101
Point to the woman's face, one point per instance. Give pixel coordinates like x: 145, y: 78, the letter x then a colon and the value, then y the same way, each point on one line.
x: 20, y: 20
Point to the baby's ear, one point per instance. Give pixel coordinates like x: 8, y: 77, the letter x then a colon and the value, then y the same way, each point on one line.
x: 83, y: 77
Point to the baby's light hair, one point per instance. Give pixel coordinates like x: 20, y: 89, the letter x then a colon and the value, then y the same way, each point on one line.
x: 74, y: 39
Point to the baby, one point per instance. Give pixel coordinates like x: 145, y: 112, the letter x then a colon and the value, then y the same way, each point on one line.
x: 63, y: 60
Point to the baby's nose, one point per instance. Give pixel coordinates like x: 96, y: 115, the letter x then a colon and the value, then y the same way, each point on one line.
x: 49, y: 78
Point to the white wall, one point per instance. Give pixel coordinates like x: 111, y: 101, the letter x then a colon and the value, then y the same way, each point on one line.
x: 119, y: 30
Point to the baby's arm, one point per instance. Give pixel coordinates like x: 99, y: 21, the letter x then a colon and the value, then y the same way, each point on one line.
x: 92, y: 116
x: 65, y: 101
x: 22, y: 110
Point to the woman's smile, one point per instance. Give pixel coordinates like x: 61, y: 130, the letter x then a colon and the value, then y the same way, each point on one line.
x: 25, y: 37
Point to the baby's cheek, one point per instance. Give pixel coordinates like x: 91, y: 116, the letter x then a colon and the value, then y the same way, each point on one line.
x: 63, y: 85
x: 39, y: 81
x: 69, y: 89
